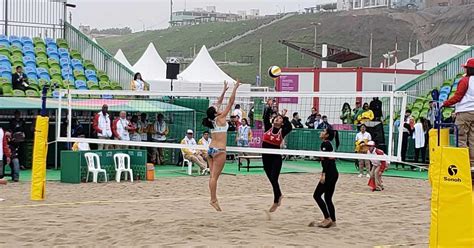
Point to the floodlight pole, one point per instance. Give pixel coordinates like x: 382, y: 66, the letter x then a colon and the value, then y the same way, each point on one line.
x: 6, y: 17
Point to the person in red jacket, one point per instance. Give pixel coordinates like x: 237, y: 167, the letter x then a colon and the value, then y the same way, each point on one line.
x: 378, y: 167
x: 4, y: 151
x: 463, y: 100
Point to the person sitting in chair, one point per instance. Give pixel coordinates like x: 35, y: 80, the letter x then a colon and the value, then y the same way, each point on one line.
x: 19, y: 79
x: 192, y: 155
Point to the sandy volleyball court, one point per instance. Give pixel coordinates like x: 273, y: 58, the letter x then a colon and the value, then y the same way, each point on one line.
x: 175, y: 212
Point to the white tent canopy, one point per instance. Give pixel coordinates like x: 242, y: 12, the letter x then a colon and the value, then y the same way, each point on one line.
x: 120, y: 56
x: 150, y: 65
x: 429, y: 59
x: 204, y: 70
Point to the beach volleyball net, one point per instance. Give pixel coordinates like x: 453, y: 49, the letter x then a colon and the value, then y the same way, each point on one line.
x: 183, y: 111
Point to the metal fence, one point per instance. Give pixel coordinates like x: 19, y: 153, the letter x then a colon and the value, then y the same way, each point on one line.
x: 33, y: 18
x: 435, y: 77
x: 101, y: 58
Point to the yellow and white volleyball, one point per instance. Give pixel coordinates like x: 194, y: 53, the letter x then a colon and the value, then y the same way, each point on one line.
x: 274, y: 71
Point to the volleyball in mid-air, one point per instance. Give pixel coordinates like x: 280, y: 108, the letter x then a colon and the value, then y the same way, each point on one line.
x: 274, y: 71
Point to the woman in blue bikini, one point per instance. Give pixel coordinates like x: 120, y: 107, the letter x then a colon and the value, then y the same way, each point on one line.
x: 216, y: 121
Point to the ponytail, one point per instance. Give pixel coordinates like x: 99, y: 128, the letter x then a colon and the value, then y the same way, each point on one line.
x: 207, y: 123
x: 333, y: 134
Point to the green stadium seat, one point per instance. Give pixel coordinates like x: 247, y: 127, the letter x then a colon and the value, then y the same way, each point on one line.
x: 62, y: 43
x: 32, y: 93
x: 415, y: 114
x: 18, y: 93
x: 57, y: 81
x: 426, y: 105
x: 41, y: 59
x: 52, y: 62
x: 418, y: 105
x: 54, y: 71
x: 93, y: 85
x: 38, y: 40
x: 104, y: 85
x: 16, y: 59
x: 104, y: 77
x: 42, y: 65
x: 5, y: 51
x: 15, y: 51
x: 114, y: 84
x: 7, y: 90
x: 4, y: 81
x: 16, y: 64
x: 117, y: 87
x: 42, y: 82
x: 424, y: 113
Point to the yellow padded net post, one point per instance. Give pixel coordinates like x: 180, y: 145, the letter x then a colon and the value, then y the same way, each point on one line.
x: 40, y: 151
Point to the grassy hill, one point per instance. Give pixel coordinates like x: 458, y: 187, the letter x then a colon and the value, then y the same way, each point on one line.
x: 348, y: 29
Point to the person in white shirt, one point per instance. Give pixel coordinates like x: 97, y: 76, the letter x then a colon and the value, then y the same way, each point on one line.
x: 120, y: 129
x: 192, y: 155
x: 419, y: 133
x: 102, y: 126
x: 205, y: 141
x: 361, y: 139
x: 159, y: 131
x: 238, y: 113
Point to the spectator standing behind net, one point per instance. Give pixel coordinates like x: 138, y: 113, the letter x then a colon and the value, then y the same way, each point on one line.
x: 120, y: 129
x: 463, y: 100
x: 142, y: 127
x: 408, y: 125
x: 159, y: 131
x: 432, y: 112
x: 296, y: 121
x: 317, y: 120
x: 324, y: 124
x: 376, y: 107
x: 138, y: 84
x: 192, y: 155
x: 311, y: 119
x: 232, y: 124
x: 244, y: 134
x: 4, y: 151
x: 365, y: 115
x: 134, y: 135
x: 18, y: 131
x: 19, y: 79
x: 346, y: 114
x: 362, y: 138
x: 357, y: 111
x: 419, y: 134
x: 14, y: 157
x: 102, y: 126
x: 238, y: 114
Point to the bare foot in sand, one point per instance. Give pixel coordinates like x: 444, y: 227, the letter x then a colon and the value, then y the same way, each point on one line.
x: 274, y: 207
x: 215, y: 205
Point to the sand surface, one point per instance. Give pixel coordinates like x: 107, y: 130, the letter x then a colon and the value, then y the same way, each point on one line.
x: 176, y: 212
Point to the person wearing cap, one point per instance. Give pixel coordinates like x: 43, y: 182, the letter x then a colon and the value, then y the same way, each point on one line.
x: 193, y: 155
x: 463, y: 100
x: 378, y: 167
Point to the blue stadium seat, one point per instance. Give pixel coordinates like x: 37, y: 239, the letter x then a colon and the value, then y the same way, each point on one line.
x: 76, y: 62
x: 51, y: 50
x: 445, y: 89
x: 68, y: 77
x: 443, y: 97
x: 5, y: 69
x: 4, y: 58
x: 32, y: 76
x: 45, y: 76
x: 89, y: 73
x: 15, y: 38
x: 107, y: 96
x: 29, y: 69
x: 7, y: 75
x: 54, y: 56
x: 63, y: 52
x: 80, y: 84
x: 29, y: 51
x: 29, y: 61
x: 4, y: 37
x: 40, y: 71
x: 27, y: 41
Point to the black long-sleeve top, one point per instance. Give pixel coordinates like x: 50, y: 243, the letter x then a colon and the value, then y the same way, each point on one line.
x: 285, y: 128
x: 328, y: 164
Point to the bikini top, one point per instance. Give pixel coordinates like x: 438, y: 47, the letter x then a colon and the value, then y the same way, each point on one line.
x: 219, y: 129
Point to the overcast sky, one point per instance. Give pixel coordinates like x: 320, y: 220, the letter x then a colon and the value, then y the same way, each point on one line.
x: 154, y: 14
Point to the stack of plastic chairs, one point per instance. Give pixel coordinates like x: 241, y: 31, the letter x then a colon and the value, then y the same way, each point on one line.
x: 52, y: 52
x: 62, y: 43
x: 31, y: 72
x: 79, y: 75
x: 77, y: 64
x: 91, y: 76
x: 27, y: 41
x: 29, y: 61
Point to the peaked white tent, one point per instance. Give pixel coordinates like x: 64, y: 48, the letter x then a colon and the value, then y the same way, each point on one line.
x: 204, y: 70
x: 120, y: 56
x: 94, y: 40
x: 150, y: 65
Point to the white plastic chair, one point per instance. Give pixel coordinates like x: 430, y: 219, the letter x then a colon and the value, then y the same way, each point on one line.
x: 93, y: 166
x: 189, y: 163
x: 122, y: 164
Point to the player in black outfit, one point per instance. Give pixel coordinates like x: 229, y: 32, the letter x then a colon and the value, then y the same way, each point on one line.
x: 327, y: 183
x: 273, y: 138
